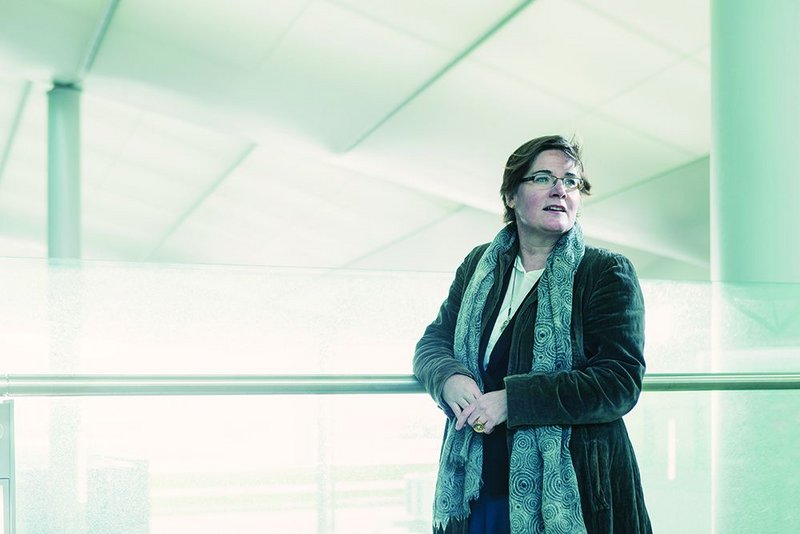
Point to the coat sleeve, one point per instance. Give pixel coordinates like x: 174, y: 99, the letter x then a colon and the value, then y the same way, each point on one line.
x: 613, y: 340
x: 434, y: 361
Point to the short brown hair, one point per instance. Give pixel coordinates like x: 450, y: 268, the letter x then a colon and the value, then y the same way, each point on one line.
x: 519, y: 163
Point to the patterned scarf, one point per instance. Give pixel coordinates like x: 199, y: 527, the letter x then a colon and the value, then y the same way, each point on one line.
x: 543, y: 488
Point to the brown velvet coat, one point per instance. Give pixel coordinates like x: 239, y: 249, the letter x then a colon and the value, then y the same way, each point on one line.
x: 604, y: 384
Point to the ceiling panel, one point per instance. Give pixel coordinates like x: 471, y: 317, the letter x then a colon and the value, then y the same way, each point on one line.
x: 47, y: 39
x: 118, y: 225
x: 433, y: 20
x: 372, y: 151
x: 239, y: 33
x: 562, y: 47
x: 666, y: 215
x: 23, y: 186
x: 440, y: 246
x: 155, y: 73
x: 454, y: 139
x: 617, y: 157
x: 26, y: 170
x: 157, y: 195
x: 145, y: 176
x: 106, y: 129
x: 673, y: 106
x: 337, y: 73
x: 324, y: 216
x: 703, y: 56
x: 185, y: 59
x: 650, y: 265
x: 14, y: 96
x: 15, y: 244
x: 10, y: 92
x: 182, y: 151
x: 681, y: 25
x: 328, y: 73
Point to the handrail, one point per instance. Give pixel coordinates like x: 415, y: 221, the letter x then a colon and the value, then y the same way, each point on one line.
x: 52, y: 385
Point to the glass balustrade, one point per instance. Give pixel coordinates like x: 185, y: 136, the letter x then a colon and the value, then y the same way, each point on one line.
x: 364, y: 463
x: 711, y: 461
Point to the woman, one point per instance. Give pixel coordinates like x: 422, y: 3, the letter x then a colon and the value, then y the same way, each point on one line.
x: 535, y: 356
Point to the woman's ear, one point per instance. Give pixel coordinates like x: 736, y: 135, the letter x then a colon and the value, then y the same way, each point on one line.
x: 509, y: 201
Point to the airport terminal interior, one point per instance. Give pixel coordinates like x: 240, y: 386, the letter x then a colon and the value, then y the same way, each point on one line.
x: 224, y: 226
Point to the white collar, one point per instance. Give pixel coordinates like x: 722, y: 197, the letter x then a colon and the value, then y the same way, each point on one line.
x: 535, y: 274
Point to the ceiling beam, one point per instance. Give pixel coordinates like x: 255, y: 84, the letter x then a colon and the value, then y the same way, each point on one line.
x: 199, y: 200
x: 492, y: 205
x: 647, y: 244
x: 441, y: 72
x: 92, y: 50
x: 405, y: 237
x: 638, y: 184
x: 14, y: 128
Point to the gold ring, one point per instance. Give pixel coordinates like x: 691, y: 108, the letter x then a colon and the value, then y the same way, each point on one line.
x: 478, y: 427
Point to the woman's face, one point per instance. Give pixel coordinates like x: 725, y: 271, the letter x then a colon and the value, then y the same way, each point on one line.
x: 547, y: 211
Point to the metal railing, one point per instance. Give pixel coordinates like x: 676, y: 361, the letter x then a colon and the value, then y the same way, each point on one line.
x: 50, y: 385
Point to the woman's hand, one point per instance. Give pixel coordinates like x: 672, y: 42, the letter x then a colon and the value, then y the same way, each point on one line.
x: 459, y: 392
x: 491, y: 409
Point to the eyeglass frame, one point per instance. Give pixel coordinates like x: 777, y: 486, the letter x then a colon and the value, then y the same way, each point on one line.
x: 552, y: 180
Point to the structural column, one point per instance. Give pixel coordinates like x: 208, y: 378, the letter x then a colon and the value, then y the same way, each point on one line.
x: 64, y: 172
x: 755, y: 258
x: 755, y: 192
x: 64, y: 510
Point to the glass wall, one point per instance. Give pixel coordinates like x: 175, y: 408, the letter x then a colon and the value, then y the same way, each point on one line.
x: 711, y: 461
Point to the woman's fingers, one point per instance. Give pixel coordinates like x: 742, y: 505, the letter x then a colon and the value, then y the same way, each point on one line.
x: 459, y: 392
x: 475, y: 418
x: 471, y: 407
x: 455, y: 407
x: 494, y: 409
x: 464, y: 416
x: 487, y: 411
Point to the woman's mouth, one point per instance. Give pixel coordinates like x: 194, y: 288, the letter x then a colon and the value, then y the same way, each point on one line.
x: 560, y: 209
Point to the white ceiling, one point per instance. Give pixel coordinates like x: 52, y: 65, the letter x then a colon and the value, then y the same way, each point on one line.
x: 354, y: 133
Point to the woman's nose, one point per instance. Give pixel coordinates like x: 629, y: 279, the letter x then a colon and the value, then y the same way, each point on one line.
x: 558, y: 189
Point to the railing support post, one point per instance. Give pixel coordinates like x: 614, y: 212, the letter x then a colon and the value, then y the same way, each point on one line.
x: 7, y: 465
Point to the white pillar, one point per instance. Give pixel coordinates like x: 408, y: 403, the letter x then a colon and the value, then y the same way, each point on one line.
x: 755, y: 190
x: 64, y: 172
x: 755, y: 258
x: 64, y: 511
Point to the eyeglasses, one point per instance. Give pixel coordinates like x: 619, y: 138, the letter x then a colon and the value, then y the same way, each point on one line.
x: 545, y: 180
